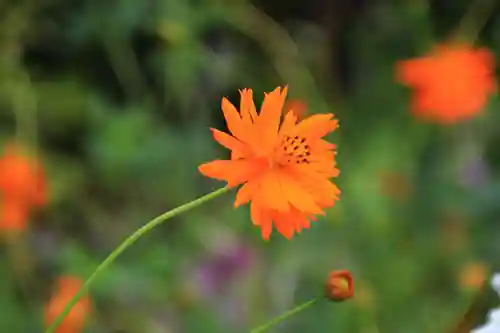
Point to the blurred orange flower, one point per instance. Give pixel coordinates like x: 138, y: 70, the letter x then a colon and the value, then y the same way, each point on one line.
x: 451, y: 84
x: 297, y: 106
x: 22, y: 186
x: 473, y: 275
x: 74, y: 322
x: 285, y: 170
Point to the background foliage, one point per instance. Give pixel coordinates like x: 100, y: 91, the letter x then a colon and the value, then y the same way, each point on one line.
x: 118, y: 97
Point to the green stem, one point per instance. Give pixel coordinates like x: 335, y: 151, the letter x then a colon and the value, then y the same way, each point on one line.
x: 24, y: 106
x: 128, y: 242
x: 474, y: 20
x: 284, y: 316
x: 478, y: 308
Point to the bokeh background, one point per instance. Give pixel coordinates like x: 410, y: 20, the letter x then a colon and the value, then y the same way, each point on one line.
x: 118, y: 97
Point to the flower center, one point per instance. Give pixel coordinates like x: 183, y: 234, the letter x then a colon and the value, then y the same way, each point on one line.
x: 294, y: 149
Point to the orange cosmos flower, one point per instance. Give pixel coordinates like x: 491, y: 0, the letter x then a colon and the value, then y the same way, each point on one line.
x: 22, y: 186
x: 451, y: 84
x: 74, y: 322
x: 285, y: 170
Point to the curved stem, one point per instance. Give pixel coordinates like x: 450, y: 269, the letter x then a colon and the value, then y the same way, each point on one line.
x: 475, y: 19
x: 284, y: 316
x: 127, y: 243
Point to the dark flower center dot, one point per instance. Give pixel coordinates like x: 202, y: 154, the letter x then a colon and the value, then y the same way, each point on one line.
x: 296, y: 150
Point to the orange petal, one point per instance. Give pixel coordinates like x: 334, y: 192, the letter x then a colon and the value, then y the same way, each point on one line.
x: 262, y: 218
x: 256, y: 213
x: 270, y: 114
x: 266, y: 227
x: 284, y: 226
x: 324, y: 192
x: 246, y: 192
x: 288, y: 123
x: 304, y: 223
x: 236, y: 155
x: 298, y: 220
x: 247, y: 106
x: 319, y: 187
x: 317, y: 126
x: 298, y: 197
x: 270, y: 191
x: 233, y: 120
x: 321, y: 166
x: 229, y: 141
x: 322, y: 146
x: 234, y: 172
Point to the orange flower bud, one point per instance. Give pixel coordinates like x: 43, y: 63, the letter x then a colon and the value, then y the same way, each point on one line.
x: 339, y: 286
x: 297, y: 106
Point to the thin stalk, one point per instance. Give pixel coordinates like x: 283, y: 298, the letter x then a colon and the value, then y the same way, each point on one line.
x: 130, y: 240
x: 286, y: 315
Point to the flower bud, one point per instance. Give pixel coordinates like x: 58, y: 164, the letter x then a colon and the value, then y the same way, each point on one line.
x: 339, y: 286
x: 297, y: 106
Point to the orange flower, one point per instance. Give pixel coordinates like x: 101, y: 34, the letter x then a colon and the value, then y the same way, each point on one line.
x: 339, y: 286
x: 298, y: 107
x: 22, y: 186
x: 67, y: 287
x: 285, y: 170
x: 451, y: 84
x: 473, y: 275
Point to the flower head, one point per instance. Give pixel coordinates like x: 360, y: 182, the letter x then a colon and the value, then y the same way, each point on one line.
x: 451, y: 84
x: 22, y: 186
x: 339, y: 286
x: 67, y: 287
x: 285, y: 169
